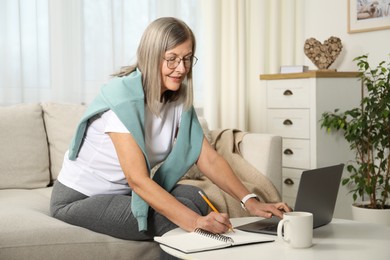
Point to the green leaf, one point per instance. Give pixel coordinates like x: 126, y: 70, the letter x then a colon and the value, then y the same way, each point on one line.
x: 366, y: 128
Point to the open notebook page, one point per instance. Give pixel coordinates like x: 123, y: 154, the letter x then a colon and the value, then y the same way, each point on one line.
x: 201, y: 240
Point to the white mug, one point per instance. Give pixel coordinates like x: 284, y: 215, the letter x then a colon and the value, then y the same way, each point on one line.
x: 298, y: 229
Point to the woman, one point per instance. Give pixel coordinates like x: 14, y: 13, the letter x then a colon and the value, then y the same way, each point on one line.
x: 141, y: 118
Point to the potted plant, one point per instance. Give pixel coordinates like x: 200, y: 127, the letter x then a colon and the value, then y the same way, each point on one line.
x: 367, y: 130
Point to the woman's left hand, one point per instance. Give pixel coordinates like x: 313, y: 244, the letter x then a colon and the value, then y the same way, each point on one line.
x: 267, y: 210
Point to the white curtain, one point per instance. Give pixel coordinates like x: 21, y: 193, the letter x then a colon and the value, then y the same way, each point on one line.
x: 24, y: 51
x: 41, y: 51
x: 244, y: 38
x: 63, y: 50
x: 112, y: 30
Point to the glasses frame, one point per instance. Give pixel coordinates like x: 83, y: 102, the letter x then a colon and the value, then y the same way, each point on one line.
x: 178, y: 60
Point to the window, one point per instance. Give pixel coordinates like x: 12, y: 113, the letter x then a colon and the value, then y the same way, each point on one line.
x: 24, y: 50
x: 65, y: 50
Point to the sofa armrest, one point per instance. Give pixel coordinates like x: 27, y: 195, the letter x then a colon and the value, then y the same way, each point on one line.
x: 264, y: 152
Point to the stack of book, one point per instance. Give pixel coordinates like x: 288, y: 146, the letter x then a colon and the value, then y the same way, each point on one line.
x: 293, y: 69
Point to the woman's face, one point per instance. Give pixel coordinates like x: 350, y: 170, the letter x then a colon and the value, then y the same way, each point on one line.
x: 175, y: 66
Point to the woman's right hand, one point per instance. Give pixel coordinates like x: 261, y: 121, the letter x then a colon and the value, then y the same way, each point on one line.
x: 214, y: 222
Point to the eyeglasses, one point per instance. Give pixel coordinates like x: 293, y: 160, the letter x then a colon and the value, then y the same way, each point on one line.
x: 173, y: 62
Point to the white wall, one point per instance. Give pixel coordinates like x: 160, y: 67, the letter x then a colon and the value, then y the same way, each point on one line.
x: 325, y: 18
x: 321, y: 20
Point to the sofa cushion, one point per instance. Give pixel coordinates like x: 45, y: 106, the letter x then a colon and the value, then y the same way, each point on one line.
x: 205, y: 128
x: 24, y: 160
x: 60, y: 121
x: 28, y: 232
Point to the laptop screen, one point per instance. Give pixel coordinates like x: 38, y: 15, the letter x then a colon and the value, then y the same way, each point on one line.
x: 317, y: 193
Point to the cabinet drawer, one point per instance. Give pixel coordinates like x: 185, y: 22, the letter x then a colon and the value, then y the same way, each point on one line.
x: 291, y: 123
x: 288, y: 93
x: 291, y: 179
x: 296, y: 153
x: 289, y: 200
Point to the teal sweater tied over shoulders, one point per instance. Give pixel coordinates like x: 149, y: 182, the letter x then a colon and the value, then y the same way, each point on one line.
x: 125, y: 97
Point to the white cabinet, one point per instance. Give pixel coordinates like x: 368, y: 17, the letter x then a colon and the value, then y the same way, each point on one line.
x: 295, y: 103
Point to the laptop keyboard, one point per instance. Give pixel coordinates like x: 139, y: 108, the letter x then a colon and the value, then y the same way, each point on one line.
x: 270, y: 228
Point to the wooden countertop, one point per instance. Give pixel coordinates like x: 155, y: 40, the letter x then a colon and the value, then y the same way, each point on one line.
x: 311, y: 74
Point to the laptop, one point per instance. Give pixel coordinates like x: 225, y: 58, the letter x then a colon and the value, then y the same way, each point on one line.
x: 317, y: 193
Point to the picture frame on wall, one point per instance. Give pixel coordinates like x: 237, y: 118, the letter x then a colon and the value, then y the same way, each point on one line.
x: 368, y: 15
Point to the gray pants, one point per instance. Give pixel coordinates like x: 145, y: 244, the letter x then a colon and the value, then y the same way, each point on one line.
x: 112, y: 215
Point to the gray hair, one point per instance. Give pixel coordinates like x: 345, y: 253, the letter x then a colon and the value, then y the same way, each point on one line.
x: 160, y: 36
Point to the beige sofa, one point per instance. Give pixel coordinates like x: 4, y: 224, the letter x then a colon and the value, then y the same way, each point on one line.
x: 33, y: 139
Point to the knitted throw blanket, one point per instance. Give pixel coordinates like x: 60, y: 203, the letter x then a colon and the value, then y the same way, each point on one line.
x: 226, y: 143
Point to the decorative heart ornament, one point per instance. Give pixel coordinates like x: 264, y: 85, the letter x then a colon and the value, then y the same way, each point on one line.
x: 323, y: 54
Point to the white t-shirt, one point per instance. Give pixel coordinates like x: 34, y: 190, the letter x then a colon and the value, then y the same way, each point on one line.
x: 97, y: 170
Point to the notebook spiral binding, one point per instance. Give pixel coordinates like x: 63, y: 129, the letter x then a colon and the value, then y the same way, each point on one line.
x: 219, y: 237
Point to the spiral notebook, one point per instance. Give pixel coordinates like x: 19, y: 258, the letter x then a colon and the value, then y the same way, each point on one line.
x: 201, y: 240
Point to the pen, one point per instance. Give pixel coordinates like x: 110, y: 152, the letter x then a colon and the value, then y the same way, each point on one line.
x: 211, y: 205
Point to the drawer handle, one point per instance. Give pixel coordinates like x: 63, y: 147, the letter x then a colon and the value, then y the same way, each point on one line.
x: 288, y: 181
x: 288, y: 151
x: 287, y: 92
x: 287, y: 122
